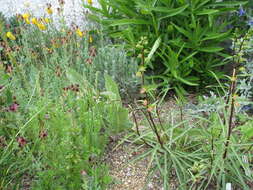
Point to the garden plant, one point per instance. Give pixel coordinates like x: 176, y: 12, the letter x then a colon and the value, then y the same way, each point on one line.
x: 67, y: 91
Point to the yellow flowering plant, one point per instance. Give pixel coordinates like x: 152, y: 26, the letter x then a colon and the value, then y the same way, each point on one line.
x: 46, y: 20
x: 79, y: 32
x: 26, y: 16
x: 49, y: 10
x: 41, y: 26
x: 34, y: 21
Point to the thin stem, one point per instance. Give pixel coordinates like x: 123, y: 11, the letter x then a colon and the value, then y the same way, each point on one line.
x: 231, y: 115
x: 137, y: 128
x: 155, y: 129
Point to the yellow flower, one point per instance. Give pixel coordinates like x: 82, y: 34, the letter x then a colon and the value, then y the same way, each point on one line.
x: 27, y: 21
x: 41, y: 26
x: 49, y: 10
x: 90, y: 39
x: 35, y: 21
x: 79, y: 32
x: 46, y: 20
x: 26, y: 16
x: 89, y: 2
x: 10, y: 36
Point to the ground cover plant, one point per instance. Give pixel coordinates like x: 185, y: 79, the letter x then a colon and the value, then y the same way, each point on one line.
x: 61, y: 92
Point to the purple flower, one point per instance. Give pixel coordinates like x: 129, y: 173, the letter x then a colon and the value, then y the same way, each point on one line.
x: 241, y: 12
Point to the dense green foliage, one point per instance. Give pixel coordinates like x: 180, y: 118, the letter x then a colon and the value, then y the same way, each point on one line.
x: 186, y: 35
x: 61, y: 92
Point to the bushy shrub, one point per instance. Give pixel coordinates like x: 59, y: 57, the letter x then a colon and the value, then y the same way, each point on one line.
x: 186, y: 36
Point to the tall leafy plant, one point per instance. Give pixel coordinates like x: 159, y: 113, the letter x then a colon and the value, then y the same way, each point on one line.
x: 190, y: 35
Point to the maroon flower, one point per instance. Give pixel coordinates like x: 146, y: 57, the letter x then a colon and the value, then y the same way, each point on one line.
x: 21, y: 141
x: 1, y: 87
x: 43, y: 134
x: 14, y: 107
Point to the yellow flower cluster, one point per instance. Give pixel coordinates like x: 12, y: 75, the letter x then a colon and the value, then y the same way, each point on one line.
x: 40, y: 23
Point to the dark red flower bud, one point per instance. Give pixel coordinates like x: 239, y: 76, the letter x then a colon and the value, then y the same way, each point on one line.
x: 21, y: 141
x: 43, y: 134
x: 14, y: 107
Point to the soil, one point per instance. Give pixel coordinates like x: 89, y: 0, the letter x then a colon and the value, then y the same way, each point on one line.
x: 130, y: 175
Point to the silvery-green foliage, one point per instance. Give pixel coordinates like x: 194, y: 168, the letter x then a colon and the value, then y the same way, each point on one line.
x: 208, y: 104
x: 115, y: 63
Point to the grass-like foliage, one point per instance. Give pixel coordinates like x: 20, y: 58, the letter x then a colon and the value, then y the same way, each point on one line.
x: 57, y: 105
x: 200, y: 151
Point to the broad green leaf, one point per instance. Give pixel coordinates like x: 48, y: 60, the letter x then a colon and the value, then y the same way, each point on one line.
x: 111, y: 86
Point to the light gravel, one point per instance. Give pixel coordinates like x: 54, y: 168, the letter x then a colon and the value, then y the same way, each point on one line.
x: 73, y: 9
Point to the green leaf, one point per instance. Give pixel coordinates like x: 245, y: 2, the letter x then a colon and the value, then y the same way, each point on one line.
x: 188, y: 57
x: 111, y: 86
x: 183, y: 31
x: 207, y: 12
x: 120, y: 22
x: 212, y: 36
x: 74, y: 77
x: 169, y: 12
x: 185, y: 81
x: 154, y: 48
x: 210, y: 49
